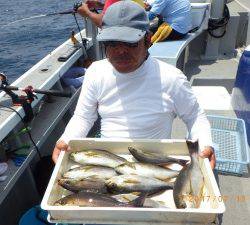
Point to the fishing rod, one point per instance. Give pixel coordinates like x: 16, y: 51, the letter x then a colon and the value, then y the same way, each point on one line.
x: 26, y: 100
x: 74, y: 10
x: 65, y: 12
x: 69, y: 11
x: 38, y: 91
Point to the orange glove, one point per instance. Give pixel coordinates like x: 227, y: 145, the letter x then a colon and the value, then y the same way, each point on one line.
x: 162, y: 33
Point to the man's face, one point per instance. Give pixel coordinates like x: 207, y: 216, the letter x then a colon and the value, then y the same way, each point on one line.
x: 126, y: 57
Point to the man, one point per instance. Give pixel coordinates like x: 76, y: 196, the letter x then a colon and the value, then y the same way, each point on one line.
x: 136, y: 95
x: 87, y: 9
x: 175, y: 16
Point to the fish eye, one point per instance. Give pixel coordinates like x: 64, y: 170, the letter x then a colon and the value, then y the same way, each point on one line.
x: 63, y: 202
x: 113, y: 185
x: 183, y: 205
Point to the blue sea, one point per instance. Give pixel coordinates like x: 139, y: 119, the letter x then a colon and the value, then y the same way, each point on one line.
x: 24, y: 42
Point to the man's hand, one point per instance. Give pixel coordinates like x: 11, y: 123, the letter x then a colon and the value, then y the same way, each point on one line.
x: 60, y: 146
x: 208, y: 152
x: 147, y: 6
x: 84, y: 10
x: 94, y: 4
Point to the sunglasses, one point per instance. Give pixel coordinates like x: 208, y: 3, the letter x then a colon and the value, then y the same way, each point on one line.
x: 114, y: 44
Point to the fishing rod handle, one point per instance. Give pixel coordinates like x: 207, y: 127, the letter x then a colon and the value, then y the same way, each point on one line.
x: 11, y: 88
x: 40, y: 91
x: 54, y: 93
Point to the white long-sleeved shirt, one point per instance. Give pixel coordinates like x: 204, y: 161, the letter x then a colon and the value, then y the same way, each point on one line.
x: 140, y: 104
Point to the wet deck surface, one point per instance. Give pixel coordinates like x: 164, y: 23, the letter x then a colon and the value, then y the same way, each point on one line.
x: 212, y: 73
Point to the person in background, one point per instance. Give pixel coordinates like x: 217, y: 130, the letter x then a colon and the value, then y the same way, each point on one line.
x: 88, y: 9
x: 175, y: 17
x: 136, y: 95
x: 74, y: 77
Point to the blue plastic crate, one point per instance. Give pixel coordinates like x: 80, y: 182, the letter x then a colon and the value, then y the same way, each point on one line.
x: 231, y: 147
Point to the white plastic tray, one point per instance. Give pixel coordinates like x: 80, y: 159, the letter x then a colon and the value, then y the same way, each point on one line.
x: 210, y: 206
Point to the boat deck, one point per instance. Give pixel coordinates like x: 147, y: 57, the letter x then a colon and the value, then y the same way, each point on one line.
x: 221, y: 72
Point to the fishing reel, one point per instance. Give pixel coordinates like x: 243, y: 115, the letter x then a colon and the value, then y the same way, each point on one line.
x: 3, y: 80
x: 74, y: 10
x: 26, y: 100
x: 77, y: 5
x: 93, y: 8
x: 70, y: 11
x: 22, y: 100
x: 17, y: 100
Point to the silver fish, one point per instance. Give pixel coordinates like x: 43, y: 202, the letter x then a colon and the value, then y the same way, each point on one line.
x: 89, y: 199
x: 97, y: 157
x: 135, y: 183
x: 146, y: 170
x: 154, y: 158
x: 128, y: 197
x: 88, y: 185
x: 96, y: 172
x: 149, y: 203
x: 189, y: 184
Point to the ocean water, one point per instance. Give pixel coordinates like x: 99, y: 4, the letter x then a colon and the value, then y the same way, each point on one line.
x: 24, y: 42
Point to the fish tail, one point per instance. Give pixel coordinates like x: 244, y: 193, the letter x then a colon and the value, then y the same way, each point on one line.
x: 133, y: 152
x: 138, y: 202
x: 193, y: 147
x: 183, y: 162
x: 131, y: 149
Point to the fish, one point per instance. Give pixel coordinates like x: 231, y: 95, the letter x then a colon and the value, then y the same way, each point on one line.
x: 154, y: 158
x: 188, y: 186
x: 173, y: 166
x: 128, y: 197
x: 146, y: 170
x: 90, y: 171
x: 97, y: 157
x: 134, y: 183
x: 87, y: 184
x: 89, y: 199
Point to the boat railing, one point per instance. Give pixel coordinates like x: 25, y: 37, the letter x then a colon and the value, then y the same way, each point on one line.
x: 52, y: 116
x: 44, y: 75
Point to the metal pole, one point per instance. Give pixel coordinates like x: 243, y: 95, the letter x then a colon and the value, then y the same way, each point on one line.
x: 212, y: 47
x: 88, y: 27
x: 91, y: 32
x: 248, y: 31
x: 95, y: 42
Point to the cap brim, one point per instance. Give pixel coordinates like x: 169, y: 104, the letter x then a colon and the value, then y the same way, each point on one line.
x: 124, y: 34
